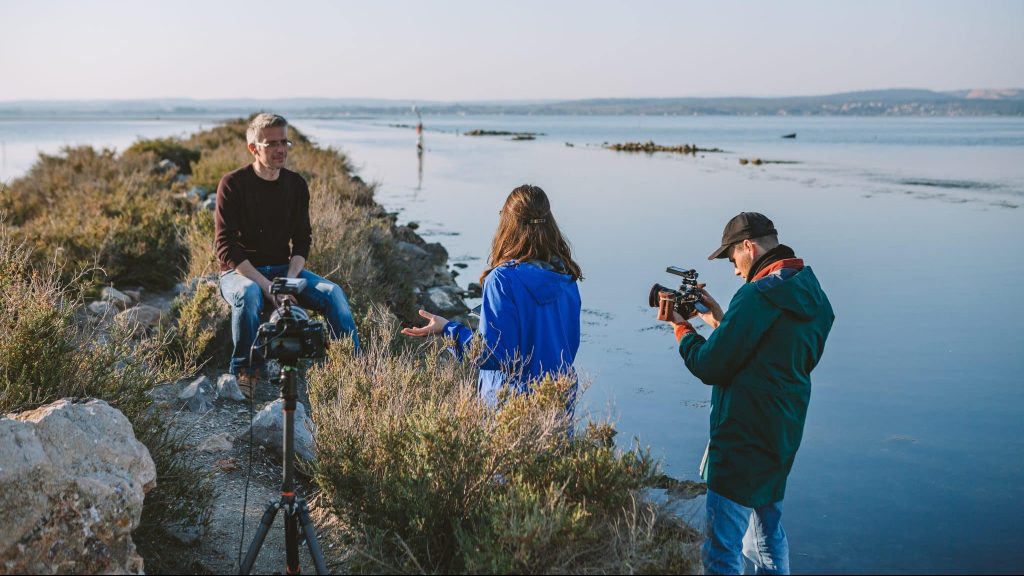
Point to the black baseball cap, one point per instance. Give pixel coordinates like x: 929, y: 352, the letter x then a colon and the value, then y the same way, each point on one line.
x: 743, y: 226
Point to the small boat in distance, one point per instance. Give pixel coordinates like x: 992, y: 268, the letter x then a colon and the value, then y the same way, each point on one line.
x: 793, y: 135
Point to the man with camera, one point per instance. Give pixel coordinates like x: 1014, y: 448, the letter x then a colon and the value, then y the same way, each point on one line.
x: 758, y: 359
x: 263, y: 232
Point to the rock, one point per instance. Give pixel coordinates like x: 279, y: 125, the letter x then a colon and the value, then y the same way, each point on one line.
x: 217, y: 443
x: 227, y: 387
x: 413, y: 225
x: 743, y: 161
x: 446, y: 301
x: 135, y: 295
x: 199, y: 395
x: 198, y: 192
x: 166, y: 165
x: 437, y: 252
x: 474, y: 290
x: 142, y: 317
x: 462, y: 265
x: 72, y: 482
x: 757, y: 162
x: 116, y: 297
x: 187, y: 535
x: 426, y: 264
x: 227, y: 464
x: 209, y: 204
x: 268, y: 429
x: 650, y: 147
x: 410, y: 251
x: 102, y: 308
x: 406, y: 234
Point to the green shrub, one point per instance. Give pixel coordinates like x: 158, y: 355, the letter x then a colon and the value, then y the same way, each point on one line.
x: 49, y: 351
x: 433, y: 481
x: 88, y: 209
x: 202, y: 328
x: 167, y: 148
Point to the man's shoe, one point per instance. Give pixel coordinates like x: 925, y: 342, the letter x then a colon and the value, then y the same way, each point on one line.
x: 247, y: 382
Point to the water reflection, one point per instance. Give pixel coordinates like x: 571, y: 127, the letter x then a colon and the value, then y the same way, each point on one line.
x: 918, y: 350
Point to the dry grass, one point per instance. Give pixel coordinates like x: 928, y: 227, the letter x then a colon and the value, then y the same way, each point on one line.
x: 432, y: 480
x: 48, y: 351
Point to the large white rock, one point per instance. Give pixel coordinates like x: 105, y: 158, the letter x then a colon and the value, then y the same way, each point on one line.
x: 227, y: 387
x: 72, y: 481
x: 268, y: 429
x: 144, y: 315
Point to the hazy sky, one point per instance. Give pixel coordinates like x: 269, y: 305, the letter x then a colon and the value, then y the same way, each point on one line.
x: 522, y: 49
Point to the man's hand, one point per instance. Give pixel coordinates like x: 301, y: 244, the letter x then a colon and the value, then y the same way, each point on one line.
x: 714, y: 316
x: 435, y: 325
x: 667, y: 309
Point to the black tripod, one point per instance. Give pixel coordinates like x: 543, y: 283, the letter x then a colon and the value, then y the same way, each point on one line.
x: 295, y: 512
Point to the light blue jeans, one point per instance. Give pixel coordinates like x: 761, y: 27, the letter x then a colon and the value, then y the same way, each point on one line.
x: 735, y: 531
x: 247, y: 303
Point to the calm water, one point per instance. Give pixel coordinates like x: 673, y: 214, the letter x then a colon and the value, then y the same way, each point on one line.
x: 913, y: 455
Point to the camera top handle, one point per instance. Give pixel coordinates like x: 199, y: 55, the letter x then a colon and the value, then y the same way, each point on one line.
x: 293, y: 286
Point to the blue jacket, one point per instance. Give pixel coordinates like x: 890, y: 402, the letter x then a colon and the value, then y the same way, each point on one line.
x: 530, y: 322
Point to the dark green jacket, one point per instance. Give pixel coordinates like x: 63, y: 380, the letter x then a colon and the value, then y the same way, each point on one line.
x: 759, y: 361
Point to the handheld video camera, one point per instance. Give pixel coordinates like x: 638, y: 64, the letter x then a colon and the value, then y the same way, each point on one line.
x: 687, y: 300
x: 289, y: 334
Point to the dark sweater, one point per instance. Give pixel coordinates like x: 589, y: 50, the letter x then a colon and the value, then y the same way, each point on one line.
x: 261, y: 221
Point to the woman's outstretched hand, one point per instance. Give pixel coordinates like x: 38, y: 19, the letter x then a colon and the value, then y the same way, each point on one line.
x: 435, y: 325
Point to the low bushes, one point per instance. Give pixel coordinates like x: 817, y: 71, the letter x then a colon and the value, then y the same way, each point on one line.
x: 431, y: 480
x: 49, y: 351
x: 90, y: 210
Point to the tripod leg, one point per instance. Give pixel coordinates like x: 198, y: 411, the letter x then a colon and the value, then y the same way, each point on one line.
x: 310, y: 532
x: 257, y: 540
x: 291, y: 541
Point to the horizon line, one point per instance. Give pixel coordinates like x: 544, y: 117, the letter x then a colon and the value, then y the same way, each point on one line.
x: 430, y: 101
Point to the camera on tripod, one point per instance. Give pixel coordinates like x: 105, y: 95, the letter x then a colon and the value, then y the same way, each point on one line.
x: 686, y: 300
x: 290, y: 334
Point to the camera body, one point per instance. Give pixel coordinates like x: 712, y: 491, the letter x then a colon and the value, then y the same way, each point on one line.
x: 290, y: 335
x: 686, y: 300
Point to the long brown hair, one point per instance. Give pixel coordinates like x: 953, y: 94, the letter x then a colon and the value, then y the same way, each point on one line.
x: 527, y: 231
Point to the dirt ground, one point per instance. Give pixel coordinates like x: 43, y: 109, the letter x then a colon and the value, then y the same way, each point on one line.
x: 217, y: 551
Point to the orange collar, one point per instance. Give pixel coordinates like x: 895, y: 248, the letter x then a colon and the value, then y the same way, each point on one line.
x: 797, y: 263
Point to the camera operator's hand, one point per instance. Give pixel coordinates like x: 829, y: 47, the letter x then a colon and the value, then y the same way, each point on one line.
x: 666, y: 309
x: 713, y: 317
x: 435, y: 325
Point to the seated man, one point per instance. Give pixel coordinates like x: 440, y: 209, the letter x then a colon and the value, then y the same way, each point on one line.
x: 263, y: 232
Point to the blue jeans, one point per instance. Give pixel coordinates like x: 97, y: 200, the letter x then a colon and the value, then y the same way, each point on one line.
x: 735, y: 531
x: 247, y: 303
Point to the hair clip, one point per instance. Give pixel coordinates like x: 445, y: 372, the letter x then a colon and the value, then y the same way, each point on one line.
x: 537, y: 221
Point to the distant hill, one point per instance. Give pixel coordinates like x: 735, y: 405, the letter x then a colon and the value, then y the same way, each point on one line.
x: 893, y: 102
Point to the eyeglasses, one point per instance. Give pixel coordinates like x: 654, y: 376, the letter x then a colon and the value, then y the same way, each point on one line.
x: 274, y: 144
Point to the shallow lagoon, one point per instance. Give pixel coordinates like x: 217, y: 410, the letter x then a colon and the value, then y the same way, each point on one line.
x: 913, y: 455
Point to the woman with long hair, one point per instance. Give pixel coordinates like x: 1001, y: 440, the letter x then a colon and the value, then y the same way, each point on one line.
x: 530, y: 314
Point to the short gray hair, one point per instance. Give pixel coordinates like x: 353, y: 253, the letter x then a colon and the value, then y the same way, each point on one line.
x: 260, y: 122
